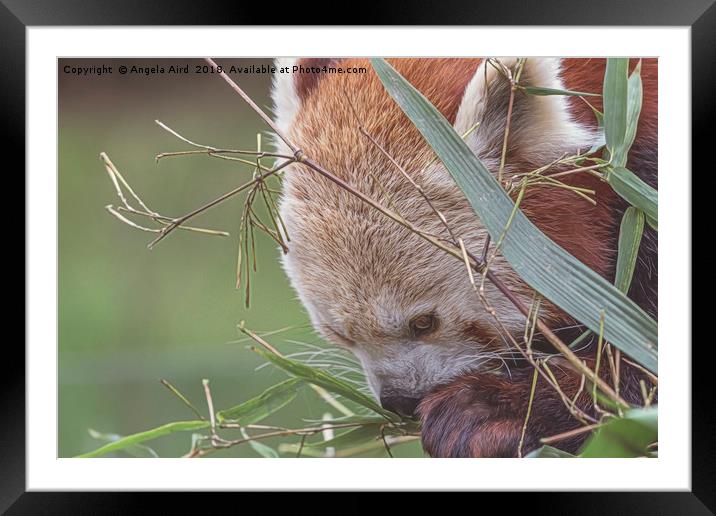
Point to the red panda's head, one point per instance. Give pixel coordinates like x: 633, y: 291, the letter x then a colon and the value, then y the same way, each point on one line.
x: 406, y: 309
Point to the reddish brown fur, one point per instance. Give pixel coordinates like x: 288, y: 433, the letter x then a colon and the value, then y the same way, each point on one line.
x: 478, y: 414
x: 482, y: 415
x: 443, y: 82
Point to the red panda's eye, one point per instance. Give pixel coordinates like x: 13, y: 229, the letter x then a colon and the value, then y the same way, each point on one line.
x: 423, y: 325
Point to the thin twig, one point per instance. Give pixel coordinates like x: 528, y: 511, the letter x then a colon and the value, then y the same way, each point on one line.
x: 385, y: 442
x: 571, y: 433
x: 118, y: 181
x: 513, y: 87
x: 215, y: 439
x: 527, y: 416
x: 300, y: 446
x: 183, y: 398
x: 296, y: 151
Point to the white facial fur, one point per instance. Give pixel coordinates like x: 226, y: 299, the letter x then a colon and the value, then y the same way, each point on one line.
x: 362, y: 278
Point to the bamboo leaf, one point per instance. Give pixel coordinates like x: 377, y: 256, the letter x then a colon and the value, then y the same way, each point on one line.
x: 536, y: 90
x: 160, y: 431
x: 262, y: 449
x: 620, y: 149
x: 265, y: 404
x: 629, y: 436
x: 624, y: 437
x: 615, y: 103
x: 544, y: 265
x: 325, y: 380
x: 634, y: 99
x: 601, y: 139
x: 135, y: 450
x: 623, y: 181
x: 630, y: 233
x: 637, y: 192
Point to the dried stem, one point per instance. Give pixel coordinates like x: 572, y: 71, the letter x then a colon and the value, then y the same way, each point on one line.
x: 571, y: 433
x: 181, y: 397
x: 527, y: 416
x: 118, y: 181
x: 296, y: 151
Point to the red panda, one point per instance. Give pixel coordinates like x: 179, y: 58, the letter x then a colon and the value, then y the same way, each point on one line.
x: 405, y: 308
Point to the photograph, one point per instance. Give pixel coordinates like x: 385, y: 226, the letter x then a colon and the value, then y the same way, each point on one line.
x: 365, y: 257
x: 418, y: 253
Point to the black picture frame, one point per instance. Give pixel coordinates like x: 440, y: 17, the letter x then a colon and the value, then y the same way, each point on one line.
x: 700, y: 15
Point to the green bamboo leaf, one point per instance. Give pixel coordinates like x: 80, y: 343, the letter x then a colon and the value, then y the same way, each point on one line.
x: 135, y: 450
x: 544, y: 265
x: 634, y: 100
x: 600, y: 140
x: 325, y: 380
x: 615, y: 93
x: 262, y: 449
x: 160, y: 431
x: 624, y: 182
x: 630, y: 232
x: 619, y: 437
x: 536, y: 90
x: 624, y: 437
x: 637, y: 192
x: 620, y: 150
x: 549, y: 452
x: 265, y: 404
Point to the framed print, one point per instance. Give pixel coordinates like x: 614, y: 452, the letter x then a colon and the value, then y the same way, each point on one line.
x: 418, y: 258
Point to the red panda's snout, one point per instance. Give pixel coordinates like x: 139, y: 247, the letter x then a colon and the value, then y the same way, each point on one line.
x: 403, y: 405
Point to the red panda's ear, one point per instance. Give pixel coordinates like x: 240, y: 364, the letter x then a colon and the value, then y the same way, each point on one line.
x: 541, y: 127
x: 293, y: 82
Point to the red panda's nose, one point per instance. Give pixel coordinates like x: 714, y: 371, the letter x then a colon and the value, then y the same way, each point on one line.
x: 402, y: 405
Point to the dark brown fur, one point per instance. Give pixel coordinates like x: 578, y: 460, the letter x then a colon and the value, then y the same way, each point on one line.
x: 482, y: 415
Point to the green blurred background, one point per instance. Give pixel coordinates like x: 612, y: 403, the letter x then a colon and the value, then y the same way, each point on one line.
x: 129, y: 316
